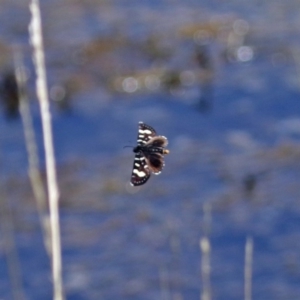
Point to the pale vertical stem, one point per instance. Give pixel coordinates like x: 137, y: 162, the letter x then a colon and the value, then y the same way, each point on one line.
x: 33, y: 160
x: 35, y: 32
x: 205, y: 257
x: 248, y: 268
x: 175, y: 246
x: 164, y: 284
x: 296, y: 57
x: 13, y: 263
x: 205, y: 268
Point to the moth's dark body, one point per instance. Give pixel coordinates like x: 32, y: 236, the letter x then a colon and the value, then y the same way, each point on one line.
x: 148, y: 154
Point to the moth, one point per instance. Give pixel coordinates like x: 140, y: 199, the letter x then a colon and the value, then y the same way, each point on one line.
x: 149, y: 154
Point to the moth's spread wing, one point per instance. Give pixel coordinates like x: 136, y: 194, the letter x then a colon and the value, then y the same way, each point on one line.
x: 155, y: 161
x: 145, y: 134
x: 157, y: 141
x: 141, y: 171
x: 154, y: 155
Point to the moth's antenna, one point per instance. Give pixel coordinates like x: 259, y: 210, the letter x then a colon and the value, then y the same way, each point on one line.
x: 128, y: 146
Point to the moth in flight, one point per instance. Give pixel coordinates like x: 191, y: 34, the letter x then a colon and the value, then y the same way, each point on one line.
x: 149, y: 154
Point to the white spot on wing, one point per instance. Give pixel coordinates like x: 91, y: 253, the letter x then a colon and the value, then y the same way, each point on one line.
x: 137, y: 165
x: 146, y: 131
x: 139, y: 173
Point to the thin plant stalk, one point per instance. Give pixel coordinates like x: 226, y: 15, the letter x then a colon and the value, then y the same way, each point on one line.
x: 248, y: 268
x: 205, y: 249
x: 35, y: 34
x: 205, y: 268
x: 164, y: 284
x: 13, y: 262
x: 32, y: 152
x: 175, y: 246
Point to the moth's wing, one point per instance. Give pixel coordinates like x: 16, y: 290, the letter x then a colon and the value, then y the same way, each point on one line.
x: 140, y: 172
x: 154, y: 155
x: 145, y: 134
x: 155, y: 162
x: 158, y: 141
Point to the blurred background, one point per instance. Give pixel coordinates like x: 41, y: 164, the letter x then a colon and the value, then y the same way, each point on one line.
x: 219, y: 79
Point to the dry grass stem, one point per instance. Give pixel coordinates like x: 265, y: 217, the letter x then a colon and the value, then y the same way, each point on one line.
x: 205, y: 268
x: 11, y: 252
x: 33, y: 160
x: 164, y: 284
x: 35, y: 33
x: 248, y: 268
x: 205, y: 250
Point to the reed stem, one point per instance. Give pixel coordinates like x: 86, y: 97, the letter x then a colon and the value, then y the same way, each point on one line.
x: 35, y: 33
